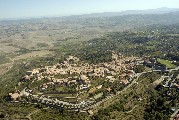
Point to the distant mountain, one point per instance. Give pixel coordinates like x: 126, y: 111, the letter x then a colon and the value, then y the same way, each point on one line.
x: 129, y: 18
x: 130, y: 12
x: 162, y: 10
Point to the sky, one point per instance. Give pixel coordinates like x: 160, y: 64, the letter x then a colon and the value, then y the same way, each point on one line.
x: 46, y: 8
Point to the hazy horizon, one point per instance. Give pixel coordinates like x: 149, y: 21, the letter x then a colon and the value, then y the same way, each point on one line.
x: 20, y: 9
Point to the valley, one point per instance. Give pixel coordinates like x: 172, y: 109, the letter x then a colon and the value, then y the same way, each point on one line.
x: 90, y: 67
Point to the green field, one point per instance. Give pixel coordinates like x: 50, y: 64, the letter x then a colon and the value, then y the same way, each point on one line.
x: 166, y: 62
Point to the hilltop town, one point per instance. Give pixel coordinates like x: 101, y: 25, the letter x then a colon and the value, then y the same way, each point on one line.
x: 76, y: 85
x: 81, y: 84
x: 90, y: 67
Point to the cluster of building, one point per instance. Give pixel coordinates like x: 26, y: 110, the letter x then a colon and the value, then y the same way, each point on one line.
x: 171, y: 81
x: 152, y: 63
x: 79, y: 73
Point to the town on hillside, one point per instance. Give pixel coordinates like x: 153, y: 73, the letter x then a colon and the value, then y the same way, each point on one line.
x: 76, y: 85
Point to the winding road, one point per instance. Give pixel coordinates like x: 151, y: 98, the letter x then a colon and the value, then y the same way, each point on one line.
x: 28, y: 116
x: 95, y: 106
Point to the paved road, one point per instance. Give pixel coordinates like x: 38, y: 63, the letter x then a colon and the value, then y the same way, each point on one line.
x: 173, y: 115
x: 177, y: 68
x: 133, y: 82
x: 132, y: 109
x: 28, y: 116
x: 157, y: 82
x: 112, y: 96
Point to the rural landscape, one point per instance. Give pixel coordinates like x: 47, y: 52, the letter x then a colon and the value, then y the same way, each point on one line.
x: 101, y: 66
